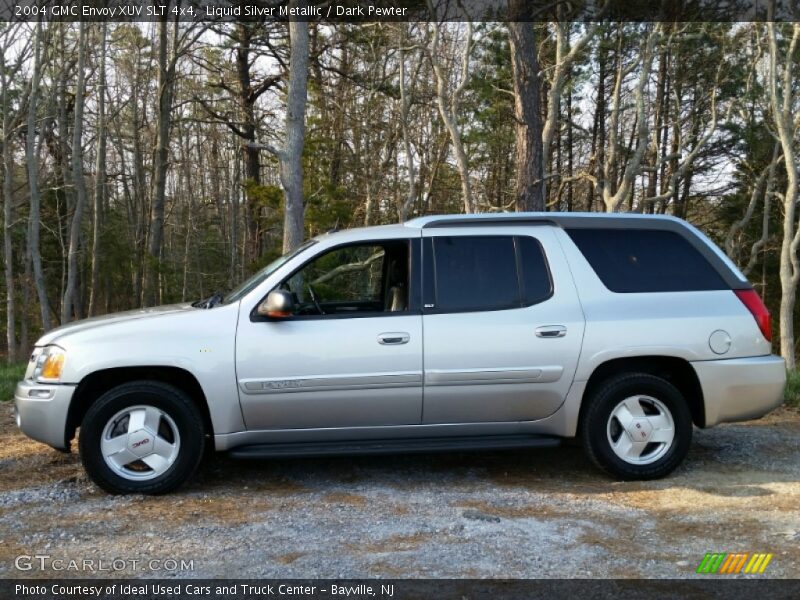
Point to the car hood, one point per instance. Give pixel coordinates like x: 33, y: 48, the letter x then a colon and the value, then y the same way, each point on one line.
x: 52, y: 336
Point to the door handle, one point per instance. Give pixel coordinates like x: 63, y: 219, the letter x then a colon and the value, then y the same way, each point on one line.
x: 551, y: 331
x: 393, y: 339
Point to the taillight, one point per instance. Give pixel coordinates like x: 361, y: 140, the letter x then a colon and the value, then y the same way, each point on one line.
x: 756, y: 307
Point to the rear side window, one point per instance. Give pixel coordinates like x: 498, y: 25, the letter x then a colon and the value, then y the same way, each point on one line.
x: 488, y: 273
x: 642, y: 260
x: 475, y: 273
x: 534, y: 274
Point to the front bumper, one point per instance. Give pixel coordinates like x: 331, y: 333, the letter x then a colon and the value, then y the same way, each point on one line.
x: 42, y: 411
x: 739, y: 389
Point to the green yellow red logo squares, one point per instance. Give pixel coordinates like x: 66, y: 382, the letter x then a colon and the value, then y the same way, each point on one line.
x: 733, y: 563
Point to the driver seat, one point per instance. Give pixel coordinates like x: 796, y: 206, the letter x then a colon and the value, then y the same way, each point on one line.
x: 396, y: 294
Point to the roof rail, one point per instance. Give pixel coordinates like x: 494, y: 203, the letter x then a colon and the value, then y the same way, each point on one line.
x: 558, y: 219
x: 488, y: 221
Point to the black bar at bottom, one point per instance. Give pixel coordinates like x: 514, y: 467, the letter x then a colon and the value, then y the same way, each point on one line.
x: 711, y: 587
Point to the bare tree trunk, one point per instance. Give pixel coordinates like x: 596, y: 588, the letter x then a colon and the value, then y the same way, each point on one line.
x: 166, y: 88
x: 246, y: 94
x: 570, y: 148
x: 760, y: 244
x: 233, y: 273
x: 252, y: 158
x: 32, y: 158
x: 624, y: 184
x: 290, y: 155
x: 8, y: 210
x: 26, y: 298
x: 69, y: 304
x: 448, y: 103
x: 660, y: 104
x: 138, y: 215
x: 599, y: 128
x: 565, y: 57
x: 530, y: 185
x: 292, y: 159
x: 98, y: 200
x: 186, y: 183
x: 405, y: 106
x: 781, y: 103
x: 680, y: 168
x: 758, y: 190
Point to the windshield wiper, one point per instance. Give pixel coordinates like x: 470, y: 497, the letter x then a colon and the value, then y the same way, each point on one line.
x: 209, y: 302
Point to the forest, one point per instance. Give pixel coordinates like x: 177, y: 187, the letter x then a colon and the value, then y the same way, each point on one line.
x: 153, y: 163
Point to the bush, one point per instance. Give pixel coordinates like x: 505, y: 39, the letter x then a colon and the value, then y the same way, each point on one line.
x: 9, y: 376
x: 792, y: 394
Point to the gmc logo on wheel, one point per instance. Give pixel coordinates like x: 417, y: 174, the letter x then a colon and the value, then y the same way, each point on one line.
x: 140, y: 442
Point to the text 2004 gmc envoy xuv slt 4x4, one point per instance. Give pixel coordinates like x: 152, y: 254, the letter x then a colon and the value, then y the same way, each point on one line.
x: 444, y: 333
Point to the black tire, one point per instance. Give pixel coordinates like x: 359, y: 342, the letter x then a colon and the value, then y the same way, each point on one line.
x: 170, y: 400
x: 597, y: 413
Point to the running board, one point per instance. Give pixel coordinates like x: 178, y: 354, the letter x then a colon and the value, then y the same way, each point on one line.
x: 395, y: 446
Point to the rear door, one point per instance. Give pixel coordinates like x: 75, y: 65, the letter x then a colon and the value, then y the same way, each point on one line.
x: 502, y: 324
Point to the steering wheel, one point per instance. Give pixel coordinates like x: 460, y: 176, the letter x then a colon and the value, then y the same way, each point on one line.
x: 313, y: 295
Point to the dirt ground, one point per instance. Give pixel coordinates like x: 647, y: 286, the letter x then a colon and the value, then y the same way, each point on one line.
x: 532, y: 513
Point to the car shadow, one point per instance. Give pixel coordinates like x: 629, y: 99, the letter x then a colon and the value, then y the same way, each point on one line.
x: 729, y: 461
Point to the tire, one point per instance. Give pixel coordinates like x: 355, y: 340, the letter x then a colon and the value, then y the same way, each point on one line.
x: 611, y: 427
x: 160, y: 454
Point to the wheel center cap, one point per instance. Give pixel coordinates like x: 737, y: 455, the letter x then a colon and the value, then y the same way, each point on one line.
x: 640, y: 430
x: 141, y: 442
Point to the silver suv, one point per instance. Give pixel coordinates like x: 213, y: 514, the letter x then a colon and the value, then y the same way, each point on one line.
x: 443, y: 333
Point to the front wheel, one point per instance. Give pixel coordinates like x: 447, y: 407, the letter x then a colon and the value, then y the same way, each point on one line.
x: 141, y: 437
x: 637, y: 426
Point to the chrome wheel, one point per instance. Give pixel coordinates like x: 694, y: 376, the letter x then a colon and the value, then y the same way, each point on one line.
x: 140, y: 443
x: 640, y: 430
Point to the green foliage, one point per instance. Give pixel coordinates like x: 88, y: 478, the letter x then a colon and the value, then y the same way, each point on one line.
x: 446, y: 192
x: 490, y: 136
x: 267, y: 201
x: 329, y: 204
x: 119, y: 259
x: 329, y: 208
x: 264, y: 196
x: 10, y: 374
x: 792, y: 393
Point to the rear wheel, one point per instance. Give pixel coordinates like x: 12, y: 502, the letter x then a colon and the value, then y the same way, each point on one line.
x: 637, y: 426
x: 142, y: 437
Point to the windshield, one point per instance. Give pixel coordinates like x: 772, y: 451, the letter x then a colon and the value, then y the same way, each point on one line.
x: 252, y: 283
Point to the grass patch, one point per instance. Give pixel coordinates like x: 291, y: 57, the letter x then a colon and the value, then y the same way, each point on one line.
x: 792, y: 394
x: 9, y: 376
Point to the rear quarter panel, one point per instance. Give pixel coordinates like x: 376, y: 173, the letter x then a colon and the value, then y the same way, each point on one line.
x: 675, y: 324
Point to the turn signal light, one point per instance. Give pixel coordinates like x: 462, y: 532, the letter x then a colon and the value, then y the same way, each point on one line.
x: 52, y: 366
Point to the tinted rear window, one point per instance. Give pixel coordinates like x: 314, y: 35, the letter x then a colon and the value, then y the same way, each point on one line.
x: 475, y: 273
x: 642, y: 260
x: 536, y: 282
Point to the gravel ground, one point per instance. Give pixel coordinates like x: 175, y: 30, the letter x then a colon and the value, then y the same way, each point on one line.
x: 519, y: 514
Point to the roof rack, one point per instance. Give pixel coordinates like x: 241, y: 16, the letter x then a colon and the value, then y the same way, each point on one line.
x: 558, y: 219
x: 488, y: 221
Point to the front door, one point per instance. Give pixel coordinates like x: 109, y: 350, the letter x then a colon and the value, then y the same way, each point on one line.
x: 349, y: 356
x: 503, y: 325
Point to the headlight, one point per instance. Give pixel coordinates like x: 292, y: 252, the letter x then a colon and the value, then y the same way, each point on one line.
x: 49, y: 364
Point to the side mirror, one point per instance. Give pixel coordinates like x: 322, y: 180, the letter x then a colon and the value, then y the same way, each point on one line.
x: 278, y: 304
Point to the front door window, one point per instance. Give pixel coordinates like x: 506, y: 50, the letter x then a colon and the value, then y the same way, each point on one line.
x: 355, y: 279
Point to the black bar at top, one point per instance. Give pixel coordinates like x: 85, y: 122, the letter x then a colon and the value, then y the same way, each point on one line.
x: 332, y: 11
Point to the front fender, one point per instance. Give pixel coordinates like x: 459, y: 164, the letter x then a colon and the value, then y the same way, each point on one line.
x: 201, y: 342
